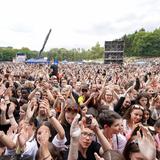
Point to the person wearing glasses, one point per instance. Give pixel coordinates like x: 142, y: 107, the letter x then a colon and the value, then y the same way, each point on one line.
x: 83, y: 145
x: 84, y: 98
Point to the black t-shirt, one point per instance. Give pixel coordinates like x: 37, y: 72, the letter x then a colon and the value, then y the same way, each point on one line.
x: 94, y: 147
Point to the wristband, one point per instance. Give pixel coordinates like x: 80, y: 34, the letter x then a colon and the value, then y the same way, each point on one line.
x: 50, y: 116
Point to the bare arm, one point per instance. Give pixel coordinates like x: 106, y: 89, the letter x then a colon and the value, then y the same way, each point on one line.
x: 3, y: 109
x: 55, y: 123
x: 75, y: 133
x: 31, y: 95
x: 11, y: 116
x: 6, y: 140
x: 103, y: 141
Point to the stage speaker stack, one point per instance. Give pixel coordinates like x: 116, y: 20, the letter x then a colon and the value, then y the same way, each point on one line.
x: 113, y: 53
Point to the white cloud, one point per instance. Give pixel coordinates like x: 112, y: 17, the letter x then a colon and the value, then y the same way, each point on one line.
x: 74, y: 23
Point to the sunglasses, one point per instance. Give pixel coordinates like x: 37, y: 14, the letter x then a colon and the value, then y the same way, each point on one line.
x: 137, y: 107
x: 84, y: 90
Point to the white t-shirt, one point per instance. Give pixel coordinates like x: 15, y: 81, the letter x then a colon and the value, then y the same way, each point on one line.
x: 119, y: 141
x: 30, y: 148
x: 59, y: 143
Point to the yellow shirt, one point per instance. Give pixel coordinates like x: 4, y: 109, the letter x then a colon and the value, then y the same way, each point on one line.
x: 80, y: 100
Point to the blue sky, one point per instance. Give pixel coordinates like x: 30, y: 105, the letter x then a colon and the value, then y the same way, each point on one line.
x: 74, y: 23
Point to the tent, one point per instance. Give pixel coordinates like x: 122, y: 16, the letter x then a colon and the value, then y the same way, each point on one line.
x: 37, y: 61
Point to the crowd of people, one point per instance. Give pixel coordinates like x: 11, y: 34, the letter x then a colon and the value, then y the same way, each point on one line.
x: 79, y: 111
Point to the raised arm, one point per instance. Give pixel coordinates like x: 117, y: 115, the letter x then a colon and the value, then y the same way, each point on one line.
x: 10, y: 114
x: 3, y: 108
x: 55, y: 123
x: 75, y: 133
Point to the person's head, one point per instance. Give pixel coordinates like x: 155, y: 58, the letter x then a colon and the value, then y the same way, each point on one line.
x: 38, y: 95
x: 54, y: 70
x: 55, y: 152
x: 64, y: 92
x: 53, y: 80
x: 63, y: 83
x: 127, y: 103
x: 147, y: 114
x: 24, y: 93
x: 18, y: 92
x: 110, y: 120
x: 108, y: 96
x: 44, y: 94
x: 78, y: 86
x: 23, y: 110
x: 149, y: 91
x: 84, y: 89
x: 143, y: 100
x: 98, y: 80
x: 134, y: 114
x: 84, y: 110
x: 86, y: 138
x: 157, y: 126
x: 71, y: 110
x: 43, y: 130
x: 94, y: 87
x: 156, y: 102
x: 134, y: 94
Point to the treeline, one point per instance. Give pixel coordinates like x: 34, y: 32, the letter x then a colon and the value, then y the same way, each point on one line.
x: 141, y: 44
x: 8, y: 53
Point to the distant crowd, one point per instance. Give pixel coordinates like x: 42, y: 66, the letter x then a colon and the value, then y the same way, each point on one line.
x: 80, y: 111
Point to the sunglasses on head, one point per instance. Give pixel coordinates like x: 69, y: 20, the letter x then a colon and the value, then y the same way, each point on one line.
x: 137, y: 107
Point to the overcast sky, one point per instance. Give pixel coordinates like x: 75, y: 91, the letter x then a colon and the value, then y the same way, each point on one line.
x: 74, y: 23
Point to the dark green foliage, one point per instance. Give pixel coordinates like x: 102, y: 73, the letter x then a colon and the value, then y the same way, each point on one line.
x: 143, y: 43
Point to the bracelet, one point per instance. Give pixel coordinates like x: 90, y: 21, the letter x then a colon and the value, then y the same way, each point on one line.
x: 11, y: 116
x: 50, y: 116
x: 46, y: 157
x: 26, y: 122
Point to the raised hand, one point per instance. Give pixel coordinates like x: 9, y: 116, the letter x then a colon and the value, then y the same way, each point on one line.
x: 11, y: 109
x: 98, y: 157
x: 3, y: 106
x: 146, y: 144
x: 23, y: 135
x: 75, y: 130
x: 45, y: 105
x: 32, y: 107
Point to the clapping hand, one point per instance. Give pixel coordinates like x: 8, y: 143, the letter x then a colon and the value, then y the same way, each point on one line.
x: 12, y: 131
x: 32, y: 106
